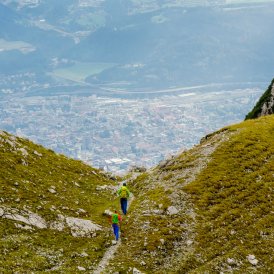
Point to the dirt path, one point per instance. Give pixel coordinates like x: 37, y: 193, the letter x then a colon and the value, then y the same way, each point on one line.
x: 197, y: 159
x: 109, y: 254
x: 107, y: 257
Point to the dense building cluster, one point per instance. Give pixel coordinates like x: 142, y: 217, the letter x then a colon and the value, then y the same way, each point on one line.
x: 115, y: 133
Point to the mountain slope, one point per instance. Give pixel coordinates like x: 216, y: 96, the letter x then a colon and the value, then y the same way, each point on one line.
x: 265, y: 105
x: 51, y: 209
x: 207, y: 210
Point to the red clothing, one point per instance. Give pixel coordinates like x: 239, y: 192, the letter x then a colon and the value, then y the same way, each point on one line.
x: 115, y: 218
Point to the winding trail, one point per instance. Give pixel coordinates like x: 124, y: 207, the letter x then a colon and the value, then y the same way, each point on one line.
x: 111, y: 250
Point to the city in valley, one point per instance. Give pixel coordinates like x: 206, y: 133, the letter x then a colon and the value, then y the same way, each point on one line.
x: 116, y: 133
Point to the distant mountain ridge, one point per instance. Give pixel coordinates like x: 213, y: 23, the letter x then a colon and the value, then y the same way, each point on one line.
x: 175, y: 42
x: 265, y: 105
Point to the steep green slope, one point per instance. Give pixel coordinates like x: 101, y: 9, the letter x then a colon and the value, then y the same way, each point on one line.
x: 51, y: 209
x: 234, y: 200
x: 265, y: 105
x: 207, y: 210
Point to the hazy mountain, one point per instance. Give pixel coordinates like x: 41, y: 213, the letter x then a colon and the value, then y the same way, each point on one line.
x: 18, y: 30
x: 207, y: 209
x: 151, y: 43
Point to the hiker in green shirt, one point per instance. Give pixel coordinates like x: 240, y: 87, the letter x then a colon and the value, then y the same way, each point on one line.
x: 123, y: 193
x: 115, y: 220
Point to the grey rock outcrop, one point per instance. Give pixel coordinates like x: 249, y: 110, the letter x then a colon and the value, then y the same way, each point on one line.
x: 78, y: 227
x: 265, y: 105
x: 27, y: 217
x: 268, y: 106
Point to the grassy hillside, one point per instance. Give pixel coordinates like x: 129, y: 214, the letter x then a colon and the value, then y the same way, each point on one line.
x: 222, y: 216
x: 37, y: 184
x: 205, y: 210
x: 234, y: 200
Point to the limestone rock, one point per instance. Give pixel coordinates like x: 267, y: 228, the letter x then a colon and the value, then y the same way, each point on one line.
x: 136, y: 271
x: 59, y: 224
x: 189, y: 242
x: 172, y: 210
x: 24, y: 152
x: 107, y: 212
x: 24, y: 227
x: 80, y: 227
x: 80, y: 268
x: 81, y: 211
x: 157, y: 211
x: 37, y: 153
x: 52, y: 190
x: 231, y: 261
x: 24, y: 216
x: 252, y: 260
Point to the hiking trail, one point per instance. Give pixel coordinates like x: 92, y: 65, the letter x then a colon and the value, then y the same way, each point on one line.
x: 111, y: 250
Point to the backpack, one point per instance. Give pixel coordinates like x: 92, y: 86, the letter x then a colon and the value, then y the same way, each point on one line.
x: 115, y: 218
x: 123, y: 193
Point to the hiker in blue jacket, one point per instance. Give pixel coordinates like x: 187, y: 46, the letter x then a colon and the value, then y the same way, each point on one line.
x: 123, y: 193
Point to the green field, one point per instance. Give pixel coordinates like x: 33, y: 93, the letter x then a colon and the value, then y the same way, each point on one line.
x: 80, y: 71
